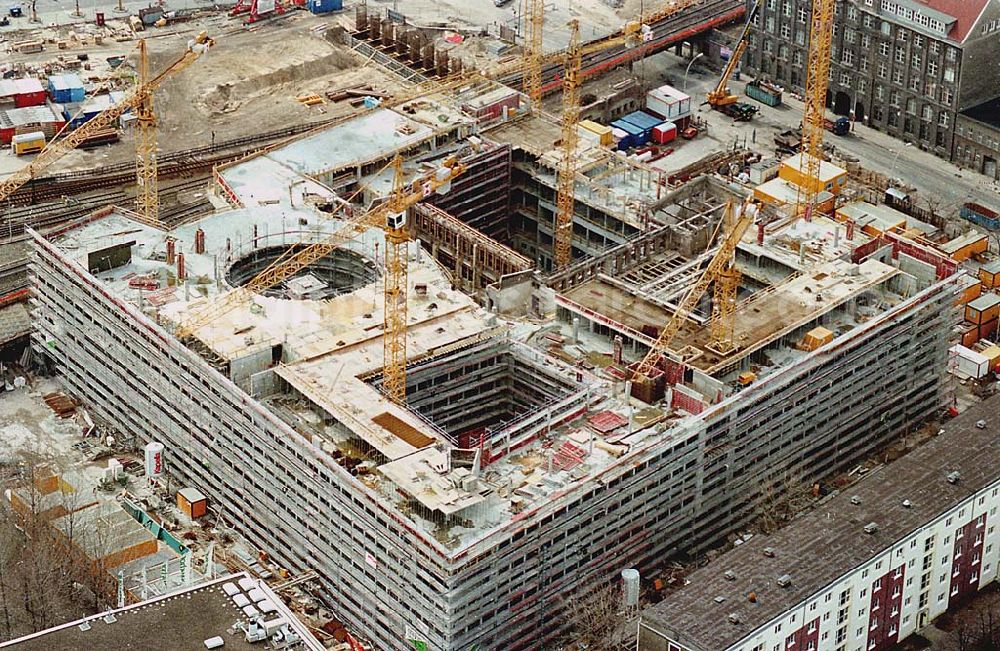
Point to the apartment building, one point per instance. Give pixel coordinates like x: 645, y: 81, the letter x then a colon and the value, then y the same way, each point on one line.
x: 864, y: 570
x: 977, y: 138
x: 901, y: 66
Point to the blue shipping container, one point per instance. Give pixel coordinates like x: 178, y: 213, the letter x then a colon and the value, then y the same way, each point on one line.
x: 644, y: 121
x: 325, y: 6
x: 980, y: 215
x: 66, y: 88
x: 635, y: 134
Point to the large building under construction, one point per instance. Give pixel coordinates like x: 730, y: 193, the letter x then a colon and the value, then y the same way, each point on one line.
x: 519, y: 471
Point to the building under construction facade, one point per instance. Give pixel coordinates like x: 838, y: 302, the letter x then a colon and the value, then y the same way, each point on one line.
x: 519, y: 473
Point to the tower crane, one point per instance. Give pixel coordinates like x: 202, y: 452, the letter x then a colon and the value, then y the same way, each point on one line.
x: 147, y: 198
x: 721, y: 263
x: 814, y: 114
x: 390, y: 216
x: 62, y: 146
x: 533, y: 54
x: 720, y: 96
x: 566, y: 177
x: 632, y: 34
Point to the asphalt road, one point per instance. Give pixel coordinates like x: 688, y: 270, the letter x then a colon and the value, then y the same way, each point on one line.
x: 875, y: 150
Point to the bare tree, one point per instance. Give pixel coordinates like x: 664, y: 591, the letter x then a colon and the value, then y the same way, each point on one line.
x: 597, y: 620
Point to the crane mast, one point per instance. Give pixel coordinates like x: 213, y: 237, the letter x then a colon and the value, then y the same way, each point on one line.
x: 721, y: 263
x: 533, y: 52
x: 147, y: 199
x: 566, y: 180
x: 814, y: 115
x: 59, y: 148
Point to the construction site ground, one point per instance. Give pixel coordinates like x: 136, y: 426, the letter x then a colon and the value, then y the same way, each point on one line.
x: 944, y: 182
x: 247, y: 84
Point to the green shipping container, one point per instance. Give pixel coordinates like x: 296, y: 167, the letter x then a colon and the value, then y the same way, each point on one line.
x: 764, y: 93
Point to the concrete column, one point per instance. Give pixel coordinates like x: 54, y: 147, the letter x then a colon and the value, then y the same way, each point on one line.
x: 576, y: 330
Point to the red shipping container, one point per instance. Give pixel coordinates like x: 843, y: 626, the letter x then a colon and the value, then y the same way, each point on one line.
x: 29, y: 93
x: 664, y: 133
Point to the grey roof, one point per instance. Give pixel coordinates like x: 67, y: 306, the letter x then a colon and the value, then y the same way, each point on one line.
x: 181, y: 621
x: 822, y: 545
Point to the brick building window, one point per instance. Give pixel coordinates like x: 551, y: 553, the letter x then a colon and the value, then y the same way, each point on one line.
x: 803, y: 14
x: 900, y: 54
x: 915, y: 84
x: 882, y: 69
x: 897, y: 75
x: 848, y: 58
x: 786, y: 31
x: 932, y: 68
x: 943, y: 119
x: 949, y: 74
x: 864, y: 64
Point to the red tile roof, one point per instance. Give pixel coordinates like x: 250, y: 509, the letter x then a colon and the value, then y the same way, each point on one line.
x: 966, y: 12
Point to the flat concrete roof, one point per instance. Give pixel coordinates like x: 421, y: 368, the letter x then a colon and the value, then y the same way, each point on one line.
x: 760, y: 320
x: 819, y: 547
x: 179, y: 621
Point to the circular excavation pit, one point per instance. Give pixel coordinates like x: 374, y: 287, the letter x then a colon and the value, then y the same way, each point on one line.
x: 340, y: 272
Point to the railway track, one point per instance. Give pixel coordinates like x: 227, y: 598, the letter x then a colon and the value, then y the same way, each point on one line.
x: 179, y: 164
x: 666, y: 33
x: 53, y: 213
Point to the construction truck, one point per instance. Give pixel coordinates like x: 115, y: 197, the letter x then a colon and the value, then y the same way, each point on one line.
x: 838, y: 127
x: 739, y: 111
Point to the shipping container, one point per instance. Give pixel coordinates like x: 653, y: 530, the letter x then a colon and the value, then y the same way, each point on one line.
x: 979, y: 214
x: 29, y: 92
x: 28, y: 143
x: 635, y: 136
x: 66, y: 88
x: 668, y: 103
x: 968, y: 362
x: 643, y: 121
x: 982, y: 310
x: 664, y: 133
x: 325, y: 6
x: 618, y: 135
x: 764, y: 92
x: 989, y: 274
x: 604, y: 134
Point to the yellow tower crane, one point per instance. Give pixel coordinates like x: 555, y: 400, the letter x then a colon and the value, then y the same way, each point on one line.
x: 390, y: 216
x: 533, y: 55
x: 632, y: 34
x: 147, y: 198
x: 566, y: 176
x: 62, y: 146
x: 814, y: 115
x: 721, y: 263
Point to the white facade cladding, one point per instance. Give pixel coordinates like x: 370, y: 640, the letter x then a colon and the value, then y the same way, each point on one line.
x: 679, y: 488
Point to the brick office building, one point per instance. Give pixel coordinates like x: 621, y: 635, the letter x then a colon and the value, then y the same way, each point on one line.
x: 906, y: 67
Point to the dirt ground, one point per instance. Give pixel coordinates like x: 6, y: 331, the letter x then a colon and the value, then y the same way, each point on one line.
x: 248, y: 83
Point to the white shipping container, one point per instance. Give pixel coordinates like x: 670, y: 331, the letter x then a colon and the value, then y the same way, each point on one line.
x: 668, y: 102
x: 969, y: 362
x: 588, y: 136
